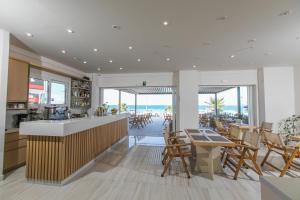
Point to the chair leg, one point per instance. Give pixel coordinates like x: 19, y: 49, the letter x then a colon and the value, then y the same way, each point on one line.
x: 226, y: 159
x: 223, y: 154
x: 237, y: 170
x: 164, y: 159
x: 185, y: 167
x: 288, y: 164
x: 257, y: 167
x: 167, y: 165
x: 265, y: 158
x: 163, y: 153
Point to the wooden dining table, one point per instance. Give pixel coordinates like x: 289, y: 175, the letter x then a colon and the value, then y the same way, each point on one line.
x: 208, y: 144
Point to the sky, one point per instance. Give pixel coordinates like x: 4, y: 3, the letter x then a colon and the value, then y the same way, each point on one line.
x: 112, y: 97
x: 230, y: 98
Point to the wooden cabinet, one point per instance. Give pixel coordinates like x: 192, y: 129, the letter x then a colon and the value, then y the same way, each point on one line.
x: 17, y: 89
x: 14, y: 151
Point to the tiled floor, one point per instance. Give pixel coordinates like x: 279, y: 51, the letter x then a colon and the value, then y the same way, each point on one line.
x: 131, y: 170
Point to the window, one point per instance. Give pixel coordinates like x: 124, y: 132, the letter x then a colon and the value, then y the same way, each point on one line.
x: 58, y: 93
x: 38, y: 92
x: 47, y: 89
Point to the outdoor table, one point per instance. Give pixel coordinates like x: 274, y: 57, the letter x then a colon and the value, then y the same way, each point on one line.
x: 208, y: 145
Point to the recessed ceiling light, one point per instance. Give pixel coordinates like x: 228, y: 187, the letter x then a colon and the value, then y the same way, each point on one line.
x: 98, y: 69
x: 268, y: 53
x: 232, y: 56
x: 166, y: 23
x: 251, y: 40
x: 70, y: 30
x: 139, y: 60
x: 117, y: 27
x: 110, y: 61
x: 194, y: 66
x: 121, y: 68
x: 222, y: 18
x: 168, y: 59
x: 84, y: 62
x: 63, y: 51
x: 207, y: 43
x: 130, y: 47
x: 285, y: 13
x: 95, y: 50
x: 29, y: 34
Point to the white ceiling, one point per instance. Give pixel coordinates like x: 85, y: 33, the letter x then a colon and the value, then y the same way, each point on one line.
x: 195, y: 34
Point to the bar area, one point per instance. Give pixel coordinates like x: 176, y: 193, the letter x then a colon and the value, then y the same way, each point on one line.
x: 58, y: 150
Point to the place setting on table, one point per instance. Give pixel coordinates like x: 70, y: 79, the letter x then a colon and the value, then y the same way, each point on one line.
x: 206, y: 146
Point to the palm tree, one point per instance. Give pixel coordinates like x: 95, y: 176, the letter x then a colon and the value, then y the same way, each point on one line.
x: 124, y: 107
x: 212, y: 104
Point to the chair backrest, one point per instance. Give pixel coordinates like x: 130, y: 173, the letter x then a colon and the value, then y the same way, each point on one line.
x: 266, y: 126
x: 252, y: 138
x: 235, y: 132
x: 273, y: 138
x: 219, y: 125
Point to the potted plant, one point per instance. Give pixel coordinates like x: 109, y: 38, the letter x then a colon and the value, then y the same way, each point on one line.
x: 114, y: 111
x: 102, y: 110
x: 290, y: 126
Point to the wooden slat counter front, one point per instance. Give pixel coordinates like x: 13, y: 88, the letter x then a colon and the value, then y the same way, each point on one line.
x: 53, y: 157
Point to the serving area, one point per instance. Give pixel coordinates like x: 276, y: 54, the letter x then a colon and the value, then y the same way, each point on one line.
x: 58, y: 150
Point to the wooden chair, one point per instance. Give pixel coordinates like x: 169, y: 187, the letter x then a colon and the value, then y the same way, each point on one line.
x: 220, y: 128
x: 167, y: 117
x: 176, y: 140
x: 244, y: 154
x: 176, y: 150
x: 275, y: 144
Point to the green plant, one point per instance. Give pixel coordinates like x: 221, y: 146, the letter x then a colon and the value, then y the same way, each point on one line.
x: 212, y: 104
x: 104, y: 107
x: 124, y: 107
x: 168, y: 109
x: 290, y: 125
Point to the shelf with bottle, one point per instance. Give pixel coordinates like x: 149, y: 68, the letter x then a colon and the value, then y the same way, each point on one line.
x: 80, y: 93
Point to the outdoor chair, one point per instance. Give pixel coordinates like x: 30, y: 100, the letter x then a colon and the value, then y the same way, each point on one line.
x: 289, y: 153
x: 220, y: 128
x: 244, y: 154
x: 176, y: 140
x: 176, y: 149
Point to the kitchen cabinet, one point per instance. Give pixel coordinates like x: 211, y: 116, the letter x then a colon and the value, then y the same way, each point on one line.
x: 14, y: 151
x: 17, y: 88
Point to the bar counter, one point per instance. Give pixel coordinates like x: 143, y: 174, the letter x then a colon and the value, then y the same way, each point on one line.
x: 57, y: 150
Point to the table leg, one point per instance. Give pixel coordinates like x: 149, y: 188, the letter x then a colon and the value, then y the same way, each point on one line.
x: 210, y: 163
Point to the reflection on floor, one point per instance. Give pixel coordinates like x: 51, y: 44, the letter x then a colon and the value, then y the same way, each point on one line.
x: 155, y: 128
x: 146, y: 141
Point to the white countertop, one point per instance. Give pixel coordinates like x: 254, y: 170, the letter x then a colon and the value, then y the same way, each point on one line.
x: 66, y: 127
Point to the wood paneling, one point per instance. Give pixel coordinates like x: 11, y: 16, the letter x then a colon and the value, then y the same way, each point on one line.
x: 53, y: 159
x: 14, y: 151
x: 17, y: 89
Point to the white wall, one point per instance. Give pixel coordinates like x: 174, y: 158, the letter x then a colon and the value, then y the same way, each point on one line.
x: 236, y: 77
x: 279, y: 93
x: 4, y: 54
x: 187, y: 99
x: 297, y: 88
x: 132, y: 80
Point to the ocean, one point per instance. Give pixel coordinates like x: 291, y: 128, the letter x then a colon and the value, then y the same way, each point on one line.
x: 161, y: 108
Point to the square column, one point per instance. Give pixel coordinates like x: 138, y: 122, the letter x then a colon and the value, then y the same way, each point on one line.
x: 187, y: 99
x: 4, y: 56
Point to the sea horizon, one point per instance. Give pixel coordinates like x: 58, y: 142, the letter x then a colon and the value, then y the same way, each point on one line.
x: 161, y: 108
